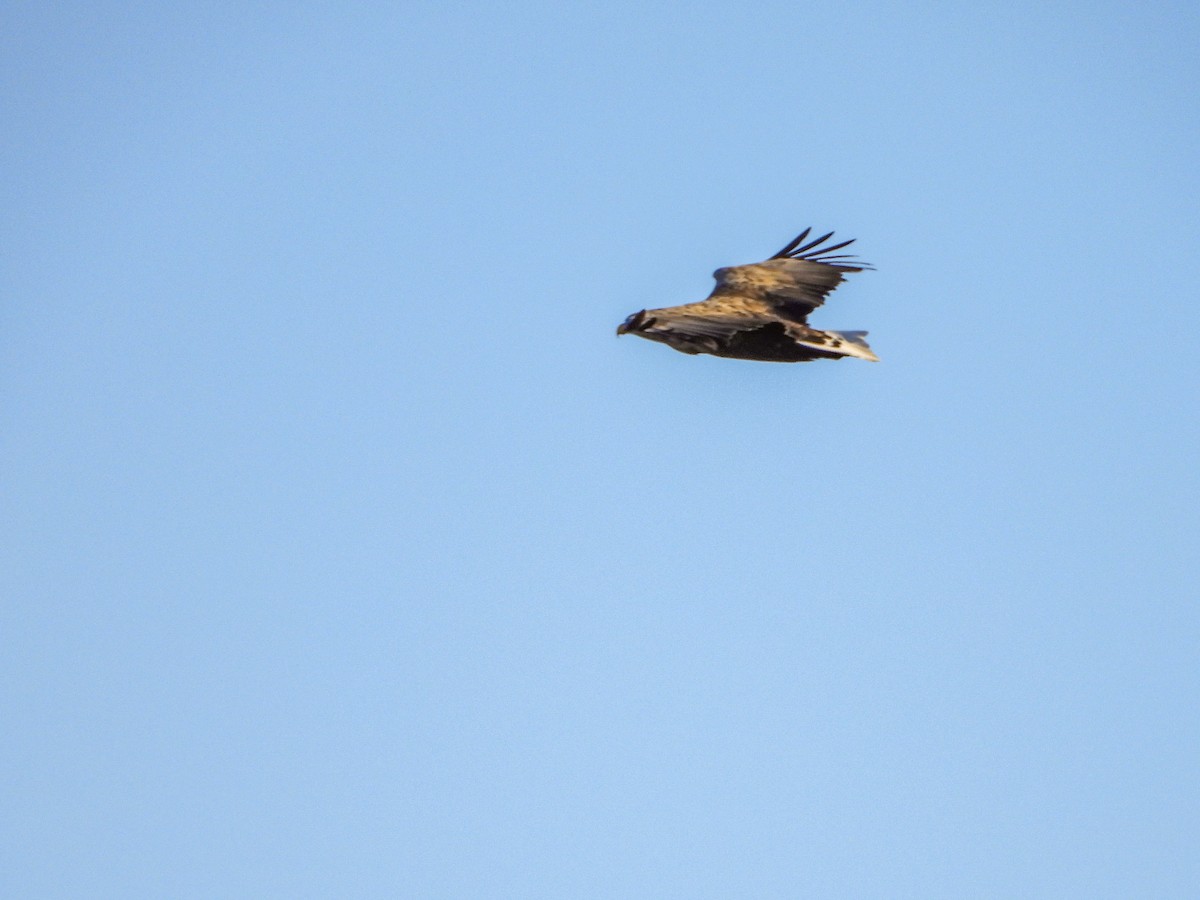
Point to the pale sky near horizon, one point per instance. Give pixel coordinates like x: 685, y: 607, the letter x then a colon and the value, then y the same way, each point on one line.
x: 348, y: 553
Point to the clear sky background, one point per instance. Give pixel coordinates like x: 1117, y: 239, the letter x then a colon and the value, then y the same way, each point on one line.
x: 346, y: 552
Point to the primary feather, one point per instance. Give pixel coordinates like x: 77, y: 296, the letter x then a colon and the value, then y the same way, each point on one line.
x: 760, y: 311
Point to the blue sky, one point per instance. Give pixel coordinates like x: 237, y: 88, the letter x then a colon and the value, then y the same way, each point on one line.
x: 346, y: 551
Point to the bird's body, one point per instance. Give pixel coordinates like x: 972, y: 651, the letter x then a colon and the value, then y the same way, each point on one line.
x: 760, y: 311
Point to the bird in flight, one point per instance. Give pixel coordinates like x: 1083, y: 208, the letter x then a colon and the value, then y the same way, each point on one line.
x: 760, y: 311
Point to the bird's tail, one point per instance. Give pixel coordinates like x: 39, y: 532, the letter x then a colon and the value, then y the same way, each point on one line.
x: 856, y: 345
x: 841, y: 343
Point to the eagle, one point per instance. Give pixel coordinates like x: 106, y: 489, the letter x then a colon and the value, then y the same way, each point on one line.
x: 760, y: 311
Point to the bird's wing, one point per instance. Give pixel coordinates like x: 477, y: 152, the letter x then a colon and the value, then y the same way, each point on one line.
x: 702, y: 327
x: 794, y: 281
x: 717, y: 316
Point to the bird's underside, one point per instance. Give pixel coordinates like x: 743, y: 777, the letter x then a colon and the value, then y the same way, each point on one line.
x: 760, y: 311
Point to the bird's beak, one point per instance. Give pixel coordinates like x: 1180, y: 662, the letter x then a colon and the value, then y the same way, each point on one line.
x: 632, y: 323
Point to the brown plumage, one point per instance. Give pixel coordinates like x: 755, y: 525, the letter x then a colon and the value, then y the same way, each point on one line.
x: 760, y: 311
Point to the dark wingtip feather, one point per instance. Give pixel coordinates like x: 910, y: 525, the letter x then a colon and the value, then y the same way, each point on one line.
x: 814, y: 252
x: 826, y: 250
x: 792, y: 246
x: 810, y: 245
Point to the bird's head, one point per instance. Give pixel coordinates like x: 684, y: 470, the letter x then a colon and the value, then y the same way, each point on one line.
x: 634, y: 323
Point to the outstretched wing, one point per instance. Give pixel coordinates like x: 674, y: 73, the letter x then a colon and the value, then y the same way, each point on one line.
x: 794, y: 281
x: 702, y: 327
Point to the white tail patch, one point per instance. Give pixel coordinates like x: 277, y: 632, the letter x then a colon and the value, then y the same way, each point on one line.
x: 856, y: 344
x: 847, y: 343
